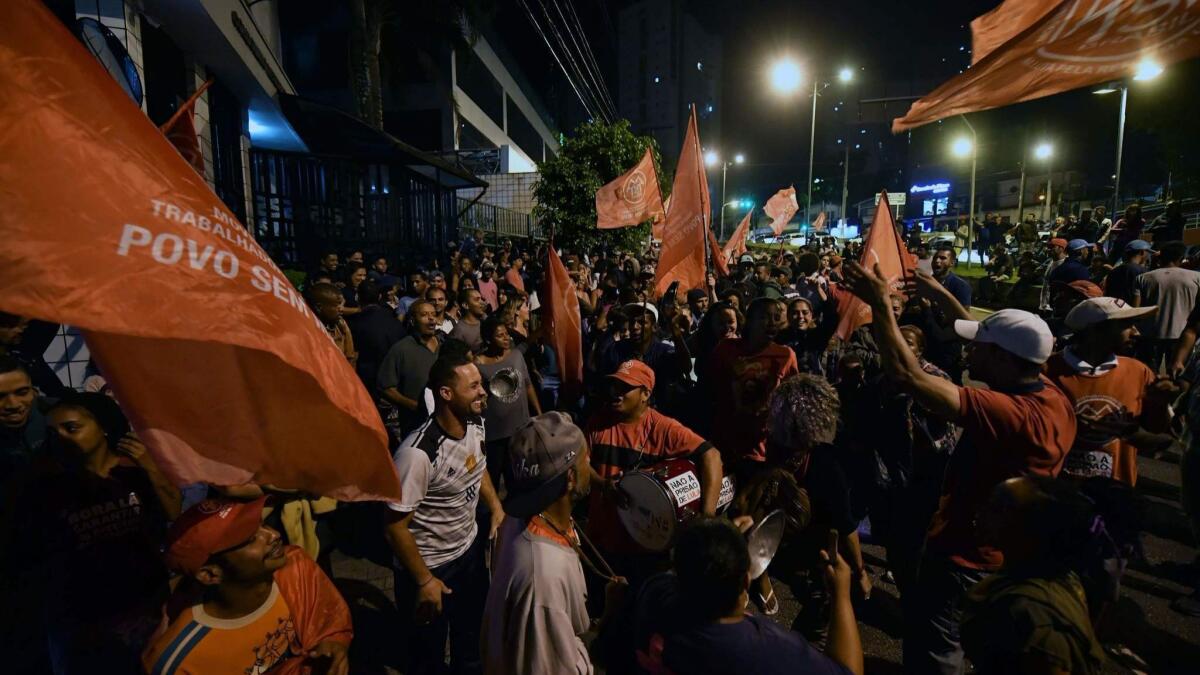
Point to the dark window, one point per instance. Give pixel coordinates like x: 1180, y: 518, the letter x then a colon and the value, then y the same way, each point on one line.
x: 166, y: 74
x: 523, y: 133
x: 225, y: 117
x: 470, y: 138
x: 478, y: 83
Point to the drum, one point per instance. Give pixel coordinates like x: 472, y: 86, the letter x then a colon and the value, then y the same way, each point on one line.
x: 659, y: 499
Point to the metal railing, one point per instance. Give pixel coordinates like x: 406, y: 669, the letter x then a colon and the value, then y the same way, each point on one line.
x: 497, y: 222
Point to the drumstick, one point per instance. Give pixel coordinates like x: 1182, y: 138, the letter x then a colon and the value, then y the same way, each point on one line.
x: 607, y: 570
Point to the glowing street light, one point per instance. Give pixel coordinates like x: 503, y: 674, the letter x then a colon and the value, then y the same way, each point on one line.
x: 711, y: 158
x: 785, y: 76
x: 845, y: 74
x: 739, y: 158
x: 1147, y: 69
x: 1043, y: 151
x: 962, y: 147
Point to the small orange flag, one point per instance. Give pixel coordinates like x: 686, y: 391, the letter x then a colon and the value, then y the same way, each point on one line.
x: 717, y: 255
x: 181, y: 130
x: 656, y: 228
x: 682, y: 257
x: 780, y: 208
x: 1028, y: 49
x: 564, y: 325
x: 736, y: 245
x: 221, y: 366
x: 883, y: 247
x: 819, y: 222
x: 631, y: 199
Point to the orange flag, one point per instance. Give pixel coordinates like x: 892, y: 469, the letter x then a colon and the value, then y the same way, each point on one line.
x: 632, y: 198
x: 885, y: 248
x: 1027, y: 49
x: 780, y: 208
x: 682, y: 257
x: 736, y: 245
x: 717, y: 255
x: 564, y: 327
x: 222, y: 368
x: 656, y: 228
x: 181, y: 130
x: 819, y: 223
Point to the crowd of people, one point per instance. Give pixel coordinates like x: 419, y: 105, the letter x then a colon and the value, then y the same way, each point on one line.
x: 995, y: 460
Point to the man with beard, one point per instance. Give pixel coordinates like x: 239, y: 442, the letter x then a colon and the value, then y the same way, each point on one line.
x: 248, y: 602
x: 441, y: 581
x: 405, y: 370
x: 536, y: 613
x: 22, y: 425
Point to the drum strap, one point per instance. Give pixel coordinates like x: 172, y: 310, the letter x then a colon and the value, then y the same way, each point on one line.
x: 607, y: 574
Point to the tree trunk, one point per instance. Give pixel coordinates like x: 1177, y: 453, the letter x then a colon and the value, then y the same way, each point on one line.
x: 366, y: 19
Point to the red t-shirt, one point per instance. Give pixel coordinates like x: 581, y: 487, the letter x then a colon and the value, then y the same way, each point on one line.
x: 1115, y: 394
x: 618, y: 447
x: 1004, y: 436
x: 741, y: 386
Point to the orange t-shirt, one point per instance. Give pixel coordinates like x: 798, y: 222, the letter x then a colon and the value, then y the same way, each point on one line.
x: 741, y: 386
x: 618, y: 447
x: 1115, y: 394
x: 199, y: 644
x: 1005, y: 435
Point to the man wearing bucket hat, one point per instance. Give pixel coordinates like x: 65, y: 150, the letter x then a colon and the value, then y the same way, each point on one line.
x: 1021, y: 424
x: 249, y: 603
x: 1114, y: 396
x: 536, y: 611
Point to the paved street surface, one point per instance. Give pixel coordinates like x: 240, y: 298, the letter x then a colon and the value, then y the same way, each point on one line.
x: 1143, y: 621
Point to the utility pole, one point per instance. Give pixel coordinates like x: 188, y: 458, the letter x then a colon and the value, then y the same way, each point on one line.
x: 845, y: 182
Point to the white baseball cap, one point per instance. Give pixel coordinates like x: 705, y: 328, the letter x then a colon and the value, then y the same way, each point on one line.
x: 1015, y: 331
x: 1098, y: 310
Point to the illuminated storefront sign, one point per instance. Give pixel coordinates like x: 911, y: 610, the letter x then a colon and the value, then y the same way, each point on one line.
x: 934, y: 188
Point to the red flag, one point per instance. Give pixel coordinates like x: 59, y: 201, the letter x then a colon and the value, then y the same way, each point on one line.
x: 223, y: 370
x: 564, y: 327
x: 717, y: 255
x: 656, y: 228
x: 1034, y: 48
x: 819, y: 224
x: 883, y: 247
x: 181, y: 130
x: 682, y: 257
x: 780, y: 208
x: 736, y: 245
x: 631, y: 199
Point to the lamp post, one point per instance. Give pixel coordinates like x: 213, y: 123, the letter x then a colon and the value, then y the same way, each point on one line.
x: 737, y: 159
x: 962, y: 147
x: 785, y: 78
x: 1145, y: 70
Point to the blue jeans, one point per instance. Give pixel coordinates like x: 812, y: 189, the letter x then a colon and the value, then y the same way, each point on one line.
x: 462, y: 610
x: 932, y: 612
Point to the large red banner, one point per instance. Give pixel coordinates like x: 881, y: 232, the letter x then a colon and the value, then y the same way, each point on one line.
x: 1027, y: 49
x: 682, y: 257
x: 222, y: 368
x: 631, y: 199
x: 884, y: 248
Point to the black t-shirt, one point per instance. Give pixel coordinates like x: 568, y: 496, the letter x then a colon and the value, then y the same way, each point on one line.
x: 669, y: 641
x: 95, y: 542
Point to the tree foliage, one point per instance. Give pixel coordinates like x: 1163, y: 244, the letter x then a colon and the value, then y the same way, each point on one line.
x: 566, y: 188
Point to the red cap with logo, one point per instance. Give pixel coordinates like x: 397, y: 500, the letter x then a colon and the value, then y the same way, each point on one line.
x: 635, y: 373
x: 211, y: 526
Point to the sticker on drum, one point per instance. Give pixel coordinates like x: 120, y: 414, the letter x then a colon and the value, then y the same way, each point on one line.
x: 649, y: 517
x: 727, y: 492
x: 685, y: 487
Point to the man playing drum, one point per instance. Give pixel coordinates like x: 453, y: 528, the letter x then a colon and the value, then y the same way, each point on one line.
x: 628, y: 436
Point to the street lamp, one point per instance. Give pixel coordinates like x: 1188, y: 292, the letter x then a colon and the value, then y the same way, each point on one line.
x: 737, y: 159
x: 711, y: 158
x: 1144, y: 70
x: 1042, y: 152
x: 785, y: 78
x: 963, y: 147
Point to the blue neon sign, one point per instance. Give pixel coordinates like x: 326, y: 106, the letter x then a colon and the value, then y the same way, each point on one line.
x: 934, y: 188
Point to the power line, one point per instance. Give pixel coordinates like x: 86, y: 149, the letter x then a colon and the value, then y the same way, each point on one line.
x: 551, y: 23
x: 585, y: 51
x: 533, y: 20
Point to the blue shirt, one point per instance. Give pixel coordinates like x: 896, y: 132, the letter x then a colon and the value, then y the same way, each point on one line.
x: 1070, y: 270
x: 958, y: 287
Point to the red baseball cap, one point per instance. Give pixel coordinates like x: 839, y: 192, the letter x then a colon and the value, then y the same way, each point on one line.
x: 211, y: 526
x: 635, y: 373
x: 1058, y: 241
x: 1081, y: 286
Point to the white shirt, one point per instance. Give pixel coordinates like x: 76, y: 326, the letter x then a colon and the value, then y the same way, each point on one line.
x: 439, y: 481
